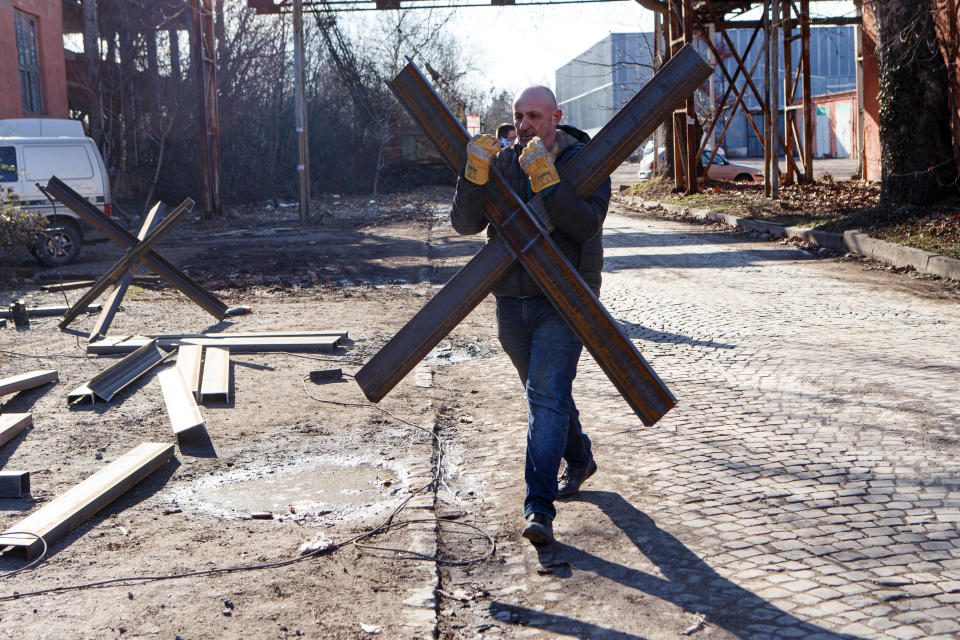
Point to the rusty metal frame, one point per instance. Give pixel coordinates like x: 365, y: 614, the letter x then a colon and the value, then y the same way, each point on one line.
x: 102, y: 324
x: 160, y: 265
x: 471, y: 284
x: 531, y: 245
x: 123, y: 266
x: 791, y: 139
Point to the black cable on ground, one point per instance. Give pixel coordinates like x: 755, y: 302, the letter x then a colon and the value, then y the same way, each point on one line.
x: 386, y: 525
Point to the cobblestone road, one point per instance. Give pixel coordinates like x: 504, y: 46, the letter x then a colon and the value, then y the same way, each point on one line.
x: 806, y: 485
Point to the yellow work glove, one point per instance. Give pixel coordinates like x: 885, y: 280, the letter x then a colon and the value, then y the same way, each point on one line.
x: 480, y: 150
x: 536, y: 161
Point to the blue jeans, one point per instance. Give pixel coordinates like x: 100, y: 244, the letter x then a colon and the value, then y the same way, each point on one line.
x: 545, y: 352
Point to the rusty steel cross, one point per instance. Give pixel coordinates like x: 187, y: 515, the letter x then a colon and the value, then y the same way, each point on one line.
x: 522, y: 237
x: 139, y: 249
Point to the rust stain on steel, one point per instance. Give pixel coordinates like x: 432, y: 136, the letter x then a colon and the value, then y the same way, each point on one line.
x: 160, y: 265
x: 586, y: 171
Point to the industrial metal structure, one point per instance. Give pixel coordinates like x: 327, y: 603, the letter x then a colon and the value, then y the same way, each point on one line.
x: 783, y: 21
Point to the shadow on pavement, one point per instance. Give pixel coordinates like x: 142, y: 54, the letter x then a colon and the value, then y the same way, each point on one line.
x: 689, y: 583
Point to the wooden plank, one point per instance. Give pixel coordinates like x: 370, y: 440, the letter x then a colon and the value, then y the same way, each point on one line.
x: 236, y: 345
x: 182, y: 409
x: 188, y: 366
x: 216, y: 375
x: 28, y: 380
x: 11, y: 424
x: 56, y: 518
x: 14, y: 484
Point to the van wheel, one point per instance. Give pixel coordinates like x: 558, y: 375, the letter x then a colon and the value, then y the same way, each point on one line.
x: 58, y: 244
x: 743, y: 177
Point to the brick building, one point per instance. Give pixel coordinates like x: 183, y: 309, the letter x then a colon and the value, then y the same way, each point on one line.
x: 33, y: 80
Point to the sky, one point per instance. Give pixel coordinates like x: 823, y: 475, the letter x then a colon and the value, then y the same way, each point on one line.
x: 525, y: 45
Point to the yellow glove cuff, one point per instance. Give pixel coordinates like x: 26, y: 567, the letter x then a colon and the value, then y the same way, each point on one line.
x: 542, y: 174
x: 480, y: 150
x: 477, y: 170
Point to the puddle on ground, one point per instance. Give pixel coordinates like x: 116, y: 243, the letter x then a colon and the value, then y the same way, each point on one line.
x: 302, y: 492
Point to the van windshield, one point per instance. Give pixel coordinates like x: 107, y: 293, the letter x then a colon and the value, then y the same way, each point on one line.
x: 8, y: 164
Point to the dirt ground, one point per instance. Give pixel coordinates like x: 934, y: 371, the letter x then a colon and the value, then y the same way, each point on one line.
x: 280, y: 445
x: 322, y: 469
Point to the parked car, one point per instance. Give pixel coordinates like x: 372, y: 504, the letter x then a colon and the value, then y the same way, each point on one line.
x: 721, y: 169
x: 29, y: 154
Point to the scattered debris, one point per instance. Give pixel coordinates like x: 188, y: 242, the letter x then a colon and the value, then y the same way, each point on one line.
x: 696, y: 626
x: 320, y: 376
x: 262, y: 515
x: 318, y: 545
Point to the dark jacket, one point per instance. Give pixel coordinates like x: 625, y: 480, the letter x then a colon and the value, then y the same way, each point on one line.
x: 579, y: 223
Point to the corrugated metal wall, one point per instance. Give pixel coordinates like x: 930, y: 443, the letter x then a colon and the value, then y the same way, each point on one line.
x: 594, y: 85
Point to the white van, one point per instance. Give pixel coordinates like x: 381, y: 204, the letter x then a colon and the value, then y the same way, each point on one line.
x: 34, y: 149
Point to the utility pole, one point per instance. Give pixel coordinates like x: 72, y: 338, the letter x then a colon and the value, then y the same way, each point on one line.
x: 208, y: 112
x: 303, y: 164
x: 775, y: 106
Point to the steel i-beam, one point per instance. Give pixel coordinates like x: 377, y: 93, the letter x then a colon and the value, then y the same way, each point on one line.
x: 160, y: 265
x: 680, y: 76
x: 531, y: 245
x: 128, y: 261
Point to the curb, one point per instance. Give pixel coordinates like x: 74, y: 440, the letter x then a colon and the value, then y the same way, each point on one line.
x: 847, y: 242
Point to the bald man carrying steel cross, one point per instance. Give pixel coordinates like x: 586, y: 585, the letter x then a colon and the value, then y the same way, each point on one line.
x: 542, y: 347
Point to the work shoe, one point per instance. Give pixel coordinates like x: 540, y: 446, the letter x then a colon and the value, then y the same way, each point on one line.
x: 539, y: 529
x: 572, y: 478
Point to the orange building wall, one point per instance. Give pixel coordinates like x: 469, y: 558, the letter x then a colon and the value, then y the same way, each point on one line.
x: 948, y: 26
x: 53, y: 75
x: 871, y: 86
x: 948, y: 46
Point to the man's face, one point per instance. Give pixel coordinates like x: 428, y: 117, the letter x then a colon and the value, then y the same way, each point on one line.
x: 512, y: 135
x: 535, y: 114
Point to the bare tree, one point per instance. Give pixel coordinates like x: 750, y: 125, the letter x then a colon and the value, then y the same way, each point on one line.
x: 915, y: 137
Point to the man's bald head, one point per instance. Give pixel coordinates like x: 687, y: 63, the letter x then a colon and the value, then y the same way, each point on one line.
x: 535, y: 113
